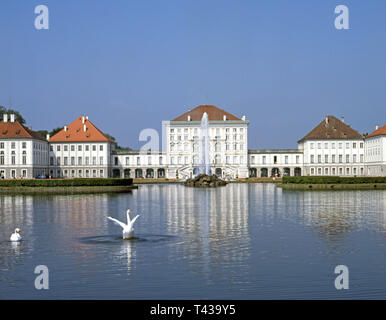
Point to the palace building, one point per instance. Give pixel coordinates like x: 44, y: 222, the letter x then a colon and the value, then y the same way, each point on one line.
x: 23, y: 152
x: 80, y: 149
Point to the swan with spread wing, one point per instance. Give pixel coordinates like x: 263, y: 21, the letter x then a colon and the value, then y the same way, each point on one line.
x: 127, y: 229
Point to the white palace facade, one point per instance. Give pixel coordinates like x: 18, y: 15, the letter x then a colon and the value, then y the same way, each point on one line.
x: 80, y: 149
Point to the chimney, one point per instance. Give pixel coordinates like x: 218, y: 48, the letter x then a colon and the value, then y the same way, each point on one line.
x: 243, y: 118
x: 343, y: 119
x: 86, y: 117
x: 84, y: 128
x: 48, y: 137
x: 12, y: 117
x: 189, y: 117
x: 65, y: 128
x: 83, y: 119
x: 326, y: 119
x: 5, y: 117
x: 376, y: 127
x: 225, y: 117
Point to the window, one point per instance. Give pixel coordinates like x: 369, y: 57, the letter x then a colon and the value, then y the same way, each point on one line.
x: 138, y: 160
x: 264, y: 159
x: 101, y: 173
x: 58, y: 161
x: 24, y: 158
x: 80, y: 173
x: 72, y: 148
x: 361, y: 157
x: 13, y: 145
x: 65, y: 148
x: 326, y: 158
x: 65, y: 162
x: 101, y: 160
x: 361, y: 145
x: 333, y: 158
x: 340, y: 158
x: 297, y: 159
x: 79, y: 161
x: 94, y: 147
x: 57, y: 148
x: 319, y: 158
x: 312, y: 146
x: 354, y: 145
x: 149, y: 161
x: 347, y: 158
x: 87, y: 161
x: 354, y: 158
x: 80, y: 147
x: 160, y: 160
x: 2, y: 157
x: 94, y: 161
x: 127, y: 160
x: 72, y: 161
x: 333, y: 146
x: 101, y: 148
x: 1, y: 145
x: 87, y: 147
x: 312, y: 158
x: 13, y: 157
x: 286, y: 159
x: 253, y: 159
x: 319, y: 145
x: 326, y: 145
x: 24, y: 145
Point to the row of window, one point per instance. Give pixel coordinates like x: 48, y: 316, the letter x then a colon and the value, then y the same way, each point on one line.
x: 77, y: 173
x: 72, y: 161
x: 73, y: 147
x: 138, y: 161
x: 217, y: 147
x: 326, y: 158
x: 275, y: 159
x: 336, y: 171
x: 326, y: 145
x: 227, y: 137
x: 216, y: 130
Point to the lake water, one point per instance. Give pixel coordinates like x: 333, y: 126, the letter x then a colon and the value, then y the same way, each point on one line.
x: 242, y: 241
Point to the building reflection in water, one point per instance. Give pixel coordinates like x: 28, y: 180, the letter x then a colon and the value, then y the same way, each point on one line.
x: 335, y: 214
x: 214, y: 223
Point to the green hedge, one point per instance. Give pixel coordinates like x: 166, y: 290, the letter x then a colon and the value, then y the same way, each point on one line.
x: 332, y: 180
x: 76, y: 182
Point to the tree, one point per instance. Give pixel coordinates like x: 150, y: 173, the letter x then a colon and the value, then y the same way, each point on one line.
x: 18, y: 116
x: 115, y: 143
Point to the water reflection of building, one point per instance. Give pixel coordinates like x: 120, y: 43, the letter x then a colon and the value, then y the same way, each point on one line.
x: 334, y: 214
x: 214, y: 224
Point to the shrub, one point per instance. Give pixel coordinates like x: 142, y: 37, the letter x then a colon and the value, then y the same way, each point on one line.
x: 332, y: 180
x: 76, y: 182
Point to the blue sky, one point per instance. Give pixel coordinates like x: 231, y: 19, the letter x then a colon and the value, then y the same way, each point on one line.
x: 128, y: 65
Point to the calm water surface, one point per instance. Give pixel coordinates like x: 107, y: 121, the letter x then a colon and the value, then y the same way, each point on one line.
x: 242, y: 241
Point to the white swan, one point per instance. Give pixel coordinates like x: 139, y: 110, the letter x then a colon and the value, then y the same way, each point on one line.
x: 16, y: 235
x: 128, y: 230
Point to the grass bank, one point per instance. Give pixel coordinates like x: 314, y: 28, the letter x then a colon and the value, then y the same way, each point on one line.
x: 76, y: 182
x: 76, y: 185
x: 333, y: 183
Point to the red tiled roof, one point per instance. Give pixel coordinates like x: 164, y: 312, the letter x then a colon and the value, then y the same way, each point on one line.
x: 75, y: 132
x: 332, y: 128
x: 380, y: 131
x: 214, y: 113
x: 15, y: 130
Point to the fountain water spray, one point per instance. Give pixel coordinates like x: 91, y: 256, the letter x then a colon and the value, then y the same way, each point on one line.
x: 204, y: 161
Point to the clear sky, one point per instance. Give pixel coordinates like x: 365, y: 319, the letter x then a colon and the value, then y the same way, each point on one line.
x: 129, y: 64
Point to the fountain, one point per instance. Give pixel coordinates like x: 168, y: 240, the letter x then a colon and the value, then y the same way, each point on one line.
x: 204, y: 179
x: 204, y: 149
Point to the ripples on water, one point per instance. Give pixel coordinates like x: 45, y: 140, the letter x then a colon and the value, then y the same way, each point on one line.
x: 242, y: 241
